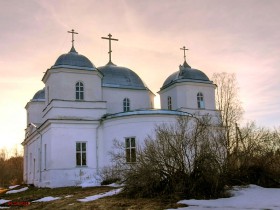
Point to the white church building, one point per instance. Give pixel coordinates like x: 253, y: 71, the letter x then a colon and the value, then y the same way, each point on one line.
x: 73, y: 121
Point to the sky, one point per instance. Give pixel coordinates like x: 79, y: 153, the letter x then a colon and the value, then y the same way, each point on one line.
x: 240, y: 37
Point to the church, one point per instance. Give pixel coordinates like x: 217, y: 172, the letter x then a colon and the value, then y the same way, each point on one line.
x: 73, y: 121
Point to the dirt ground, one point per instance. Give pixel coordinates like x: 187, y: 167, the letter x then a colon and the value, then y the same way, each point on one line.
x: 69, y: 195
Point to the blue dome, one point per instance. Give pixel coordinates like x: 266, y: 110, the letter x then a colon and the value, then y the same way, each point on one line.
x: 186, y: 73
x: 120, y: 77
x: 39, y: 96
x: 73, y: 60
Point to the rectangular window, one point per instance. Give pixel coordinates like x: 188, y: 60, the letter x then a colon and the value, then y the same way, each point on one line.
x: 79, y: 91
x: 81, y: 154
x: 130, y: 149
x: 169, y: 103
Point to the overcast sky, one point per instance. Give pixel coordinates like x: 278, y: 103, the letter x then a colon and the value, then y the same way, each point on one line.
x: 235, y: 36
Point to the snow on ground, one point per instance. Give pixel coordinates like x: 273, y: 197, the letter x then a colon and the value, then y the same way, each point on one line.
x: 114, y: 185
x: 16, y: 191
x: 46, y: 199
x: 95, y: 197
x: 3, y: 201
x: 68, y: 196
x: 12, y: 187
x: 251, y: 197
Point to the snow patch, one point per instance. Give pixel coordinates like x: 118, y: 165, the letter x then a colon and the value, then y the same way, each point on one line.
x: 102, y: 195
x: 16, y: 191
x: 47, y: 199
x: 114, y: 185
x: 12, y: 187
x: 251, y: 197
x: 68, y: 196
x: 3, y: 201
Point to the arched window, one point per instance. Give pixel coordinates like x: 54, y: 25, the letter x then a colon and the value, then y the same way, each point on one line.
x: 169, y: 103
x: 126, y: 105
x: 200, y: 101
x: 79, y: 91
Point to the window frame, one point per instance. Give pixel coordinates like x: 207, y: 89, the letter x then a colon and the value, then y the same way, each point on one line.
x: 80, y: 91
x: 81, y: 154
x: 200, y: 100
x: 126, y: 105
x: 130, y: 149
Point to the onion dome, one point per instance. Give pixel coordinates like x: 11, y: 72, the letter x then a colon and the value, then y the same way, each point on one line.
x: 117, y: 76
x: 39, y: 96
x: 120, y: 77
x: 186, y: 74
x: 73, y: 60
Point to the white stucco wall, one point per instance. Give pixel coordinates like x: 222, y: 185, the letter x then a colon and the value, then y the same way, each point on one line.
x: 139, y: 99
x: 60, y: 84
x: 184, y: 95
x: 58, y: 157
x: 61, y: 169
x: 59, y: 109
x: 138, y: 126
x: 34, y: 111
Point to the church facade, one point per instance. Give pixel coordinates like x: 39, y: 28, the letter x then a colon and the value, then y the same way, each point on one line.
x: 73, y: 121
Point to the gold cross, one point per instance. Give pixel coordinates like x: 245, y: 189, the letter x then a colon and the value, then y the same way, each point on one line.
x: 72, y: 32
x: 184, y: 48
x: 110, y: 50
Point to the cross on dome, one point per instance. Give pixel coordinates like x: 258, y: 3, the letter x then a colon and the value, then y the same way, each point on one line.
x: 110, y: 50
x: 185, y: 64
x: 184, y: 48
x: 72, y: 32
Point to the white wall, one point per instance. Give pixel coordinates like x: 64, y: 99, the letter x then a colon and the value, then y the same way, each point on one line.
x: 139, y: 99
x: 34, y: 111
x: 60, y: 84
x: 139, y: 126
x: 184, y: 95
x: 58, y: 164
x: 58, y: 109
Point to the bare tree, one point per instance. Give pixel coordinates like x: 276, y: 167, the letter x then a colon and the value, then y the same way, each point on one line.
x: 255, y: 159
x: 227, y: 101
x: 11, y: 168
x: 185, y: 157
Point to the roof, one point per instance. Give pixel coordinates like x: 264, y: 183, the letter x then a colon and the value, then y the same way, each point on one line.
x: 39, y: 95
x: 186, y: 74
x: 73, y: 59
x: 120, y: 77
x: 147, y: 112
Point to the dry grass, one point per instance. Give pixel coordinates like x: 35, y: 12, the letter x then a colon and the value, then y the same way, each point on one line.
x: 117, y: 202
x: 3, y: 190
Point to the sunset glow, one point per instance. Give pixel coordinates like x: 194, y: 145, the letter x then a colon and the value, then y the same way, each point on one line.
x: 240, y: 37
